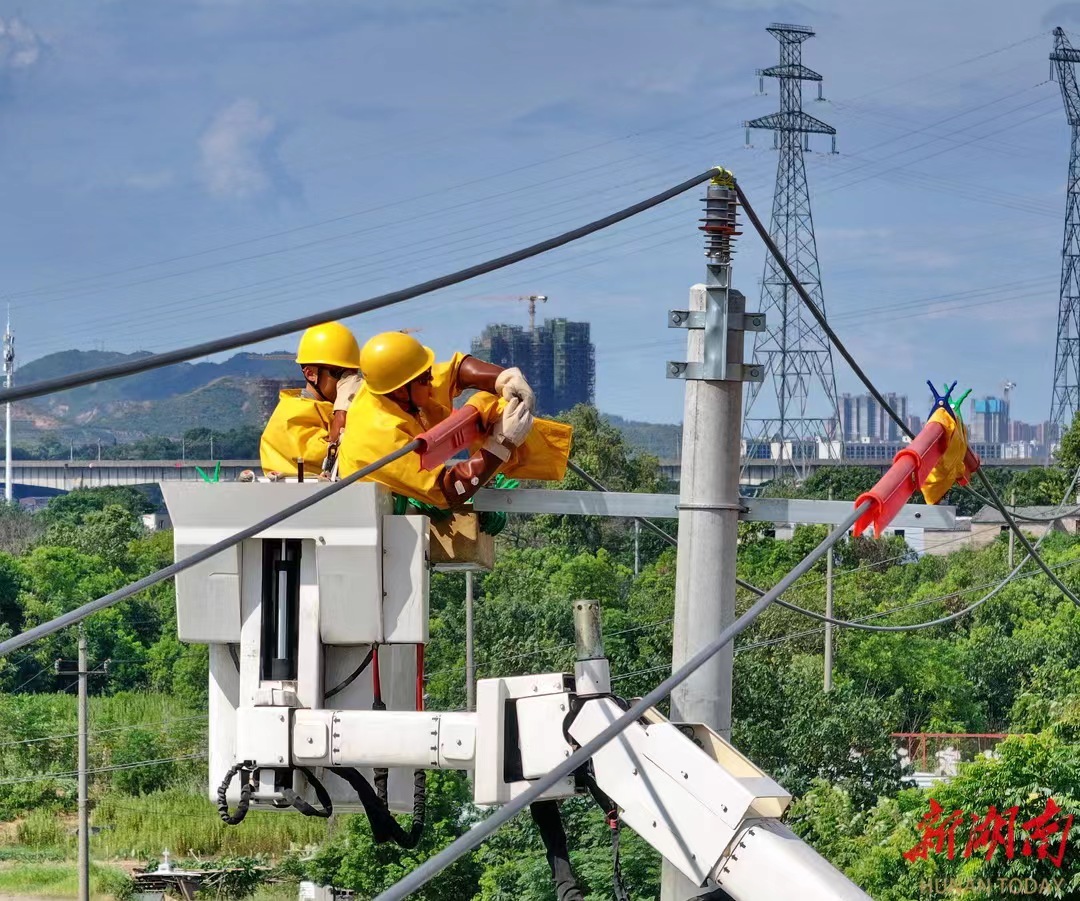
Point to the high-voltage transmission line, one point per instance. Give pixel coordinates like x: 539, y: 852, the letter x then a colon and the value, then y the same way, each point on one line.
x: 793, y: 349
x: 1066, y: 398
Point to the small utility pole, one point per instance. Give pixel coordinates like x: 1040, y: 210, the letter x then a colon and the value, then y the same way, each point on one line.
x: 84, y: 809
x: 709, y: 502
x: 83, y: 673
x: 470, y: 663
x: 637, y: 539
x: 828, y: 613
x: 1012, y: 535
x: 9, y: 371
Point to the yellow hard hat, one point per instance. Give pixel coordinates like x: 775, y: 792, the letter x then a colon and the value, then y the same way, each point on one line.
x: 329, y: 344
x: 393, y: 359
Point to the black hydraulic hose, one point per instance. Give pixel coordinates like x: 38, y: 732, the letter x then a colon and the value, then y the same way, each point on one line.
x: 122, y: 594
x: 384, y: 826
x: 232, y: 342
x: 548, y: 820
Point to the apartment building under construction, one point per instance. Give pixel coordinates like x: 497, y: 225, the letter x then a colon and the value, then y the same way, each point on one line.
x: 557, y: 358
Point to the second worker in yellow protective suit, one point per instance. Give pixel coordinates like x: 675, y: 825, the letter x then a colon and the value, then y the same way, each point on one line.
x: 405, y: 392
x: 307, y: 422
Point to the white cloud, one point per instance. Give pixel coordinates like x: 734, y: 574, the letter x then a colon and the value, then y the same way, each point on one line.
x: 20, y: 46
x: 234, y: 151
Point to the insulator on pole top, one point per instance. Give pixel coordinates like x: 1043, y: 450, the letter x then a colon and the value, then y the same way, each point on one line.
x: 719, y: 222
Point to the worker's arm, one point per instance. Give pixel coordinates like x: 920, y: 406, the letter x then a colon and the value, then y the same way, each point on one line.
x: 507, y: 383
x: 475, y: 373
x: 461, y: 481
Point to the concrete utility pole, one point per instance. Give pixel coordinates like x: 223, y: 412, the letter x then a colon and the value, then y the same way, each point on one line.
x: 1012, y: 534
x: 829, y: 613
x: 83, y: 672
x: 9, y: 371
x: 84, y: 810
x: 709, y: 494
x: 470, y: 663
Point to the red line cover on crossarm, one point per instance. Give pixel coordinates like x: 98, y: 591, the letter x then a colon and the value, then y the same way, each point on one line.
x: 909, y: 470
x: 439, y: 443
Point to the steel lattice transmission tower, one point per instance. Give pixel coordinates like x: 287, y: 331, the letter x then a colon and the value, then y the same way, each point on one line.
x: 1066, y: 398
x: 795, y: 352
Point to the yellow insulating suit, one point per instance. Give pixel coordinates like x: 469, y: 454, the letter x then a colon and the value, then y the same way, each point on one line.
x: 951, y: 465
x: 377, y: 425
x: 298, y: 427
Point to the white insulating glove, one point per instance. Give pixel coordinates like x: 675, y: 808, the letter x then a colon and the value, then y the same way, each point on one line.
x: 510, y: 430
x: 347, y: 387
x: 510, y: 383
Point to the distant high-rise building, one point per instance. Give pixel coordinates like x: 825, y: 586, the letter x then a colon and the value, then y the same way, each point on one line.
x: 558, y: 359
x: 864, y: 419
x: 991, y: 420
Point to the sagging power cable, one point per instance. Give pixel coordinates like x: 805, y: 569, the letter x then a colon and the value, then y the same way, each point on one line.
x: 480, y: 833
x: 753, y: 589
x: 88, y: 609
x: 254, y: 336
x: 877, y: 395
x: 820, y: 617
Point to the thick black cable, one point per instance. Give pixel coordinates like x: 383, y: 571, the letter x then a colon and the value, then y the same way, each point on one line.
x: 989, y: 487
x: 578, y: 471
x: 814, y: 311
x: 81, y: 613
x: 839, y: 345
x: 944, y: 619
x: 479, y: 833
x: 254, y: 336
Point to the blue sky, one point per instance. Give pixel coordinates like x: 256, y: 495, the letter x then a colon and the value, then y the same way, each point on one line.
x: 175, y: 171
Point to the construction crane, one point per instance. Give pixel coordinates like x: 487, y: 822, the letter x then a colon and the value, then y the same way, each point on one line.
x: 533, y: 300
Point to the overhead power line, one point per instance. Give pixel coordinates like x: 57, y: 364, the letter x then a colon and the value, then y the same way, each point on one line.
x: 205, y: 348
x: 480, y: 833
x: 877, y: 395
x: 88, y: 609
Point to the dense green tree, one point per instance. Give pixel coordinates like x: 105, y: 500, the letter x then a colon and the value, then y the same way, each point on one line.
x: 600, y: 450
x: 72, y: 508
x: 1026, y: 771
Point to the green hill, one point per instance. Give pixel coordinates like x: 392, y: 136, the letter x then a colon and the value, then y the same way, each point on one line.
x: 167, y: 401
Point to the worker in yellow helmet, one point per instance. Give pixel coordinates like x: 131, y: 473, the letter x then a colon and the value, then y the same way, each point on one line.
x: 405, y: 392
x: 308, y: 421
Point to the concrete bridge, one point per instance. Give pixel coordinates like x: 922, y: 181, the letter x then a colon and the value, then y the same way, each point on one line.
x: 64, y: 475
x: 758, y: 471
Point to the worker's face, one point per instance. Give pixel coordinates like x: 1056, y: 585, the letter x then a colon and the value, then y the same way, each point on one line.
x: 420, y: 389
x: 325, y: 379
